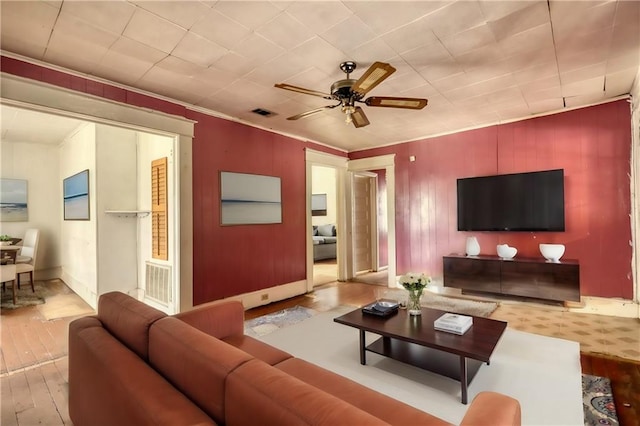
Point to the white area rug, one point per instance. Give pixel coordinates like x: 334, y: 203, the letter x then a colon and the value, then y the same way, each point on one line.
x: 543, y: 373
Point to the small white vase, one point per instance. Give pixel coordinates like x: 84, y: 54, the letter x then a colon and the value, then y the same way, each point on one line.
x: 473, y: 247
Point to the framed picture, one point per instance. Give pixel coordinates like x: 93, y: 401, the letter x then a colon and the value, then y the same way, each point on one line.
x: 75, y: 193
x: 249, y: 199
x: 13, y: 200
x: 318, y: 204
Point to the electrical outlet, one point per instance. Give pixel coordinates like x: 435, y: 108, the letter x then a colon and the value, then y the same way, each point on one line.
x: 264, y: 296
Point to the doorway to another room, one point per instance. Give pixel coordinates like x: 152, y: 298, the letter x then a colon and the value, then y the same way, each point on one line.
x: 369, y: 228
x: 324, y: 220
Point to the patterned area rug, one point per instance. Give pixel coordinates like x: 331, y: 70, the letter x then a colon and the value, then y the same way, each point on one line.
x: 597, y: 400
x: 25, y: 296
x: 269, y: 323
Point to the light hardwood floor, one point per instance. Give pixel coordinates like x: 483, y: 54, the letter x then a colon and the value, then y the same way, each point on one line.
x: 34, y: 362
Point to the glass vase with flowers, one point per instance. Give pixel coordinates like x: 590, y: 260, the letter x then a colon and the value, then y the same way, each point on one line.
x: 414, y: 283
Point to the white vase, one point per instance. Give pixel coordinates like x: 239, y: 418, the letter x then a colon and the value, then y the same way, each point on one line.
x: 473, y: 247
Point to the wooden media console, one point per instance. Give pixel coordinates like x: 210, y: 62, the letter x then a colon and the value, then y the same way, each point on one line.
x: 525, y: 277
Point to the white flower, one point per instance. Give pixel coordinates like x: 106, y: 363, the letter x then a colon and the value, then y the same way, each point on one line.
x: 414, y: 281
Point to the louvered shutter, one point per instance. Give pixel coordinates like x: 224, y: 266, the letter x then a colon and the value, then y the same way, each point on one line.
x: 159, y: 228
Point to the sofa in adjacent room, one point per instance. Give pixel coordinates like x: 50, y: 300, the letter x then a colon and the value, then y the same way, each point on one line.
x: 324, y: 242
x: 133, y: 365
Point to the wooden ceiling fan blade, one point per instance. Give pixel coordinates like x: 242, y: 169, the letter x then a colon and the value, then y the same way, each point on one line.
x: 359, y: 118
x: 372, y: 77
x: 394, y: 102
x: 308, y: 113
x: 302, y: 90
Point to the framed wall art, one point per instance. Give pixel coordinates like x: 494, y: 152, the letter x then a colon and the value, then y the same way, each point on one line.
x: 13, y: 200
x: 75, y: 190
x: 318, y: 204
x: 249, y: 199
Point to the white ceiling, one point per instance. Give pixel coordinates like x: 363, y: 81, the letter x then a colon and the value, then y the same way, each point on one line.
x: 22, y: 125
x: 478, y: 62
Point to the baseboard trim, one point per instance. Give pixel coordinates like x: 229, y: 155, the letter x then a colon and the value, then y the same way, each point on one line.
x: 80, y: 289
x: 271, y: 294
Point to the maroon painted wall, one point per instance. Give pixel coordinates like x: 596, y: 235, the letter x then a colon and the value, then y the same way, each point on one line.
x: 592, y: 145
x: 230, y: 260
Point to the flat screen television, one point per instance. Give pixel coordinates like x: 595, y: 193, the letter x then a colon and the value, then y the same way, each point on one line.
x: 531, y: 201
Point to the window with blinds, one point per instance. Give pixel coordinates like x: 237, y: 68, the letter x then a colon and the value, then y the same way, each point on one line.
x: 159, y: 229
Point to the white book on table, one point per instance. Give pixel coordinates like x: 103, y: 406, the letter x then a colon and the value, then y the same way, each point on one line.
x: 453, y: 321
x: 454, y: 330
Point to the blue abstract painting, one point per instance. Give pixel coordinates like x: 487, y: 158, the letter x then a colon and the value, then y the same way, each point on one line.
x: 13, y: 200
x: 76, y: 196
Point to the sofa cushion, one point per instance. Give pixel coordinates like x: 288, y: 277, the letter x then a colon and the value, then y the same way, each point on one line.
x: 325, y: 230
x: 194, y: 362
x: 330, y: 240
x: 128, y: 320
x: 110, y: 385
x: 256, y: 392
x: 318, y: 240
x: 381, y: 406
x: 258, y: 349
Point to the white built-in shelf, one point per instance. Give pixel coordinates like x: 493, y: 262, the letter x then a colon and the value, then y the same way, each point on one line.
x: 128, y: 213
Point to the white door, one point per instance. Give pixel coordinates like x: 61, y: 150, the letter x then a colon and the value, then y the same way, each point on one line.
x: 363, y: 230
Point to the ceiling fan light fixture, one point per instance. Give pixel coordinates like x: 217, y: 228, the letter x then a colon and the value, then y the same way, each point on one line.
x: 348, y: 110
x: 347, y: 92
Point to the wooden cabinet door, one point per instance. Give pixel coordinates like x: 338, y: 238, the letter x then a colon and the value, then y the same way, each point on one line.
x: 472, y: 274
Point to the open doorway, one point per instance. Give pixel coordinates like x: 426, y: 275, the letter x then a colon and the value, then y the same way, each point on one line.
x: 369, y: 227
x: 383, y: 202
x: 324, y: 219
x: 109, y: 249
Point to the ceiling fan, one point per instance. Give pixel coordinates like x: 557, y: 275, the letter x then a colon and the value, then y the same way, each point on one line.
x: 349, y: 91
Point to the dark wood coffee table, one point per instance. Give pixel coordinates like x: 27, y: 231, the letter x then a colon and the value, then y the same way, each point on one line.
x: 414, y: 341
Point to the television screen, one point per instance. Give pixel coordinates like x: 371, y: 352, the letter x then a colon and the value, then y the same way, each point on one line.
x: 515, y: 202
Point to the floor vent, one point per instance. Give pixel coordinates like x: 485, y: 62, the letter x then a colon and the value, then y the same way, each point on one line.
x: 158, y: 283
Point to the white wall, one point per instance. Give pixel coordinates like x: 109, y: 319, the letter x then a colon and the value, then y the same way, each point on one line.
x: 324, y: 182
x: 38, y: 165
x: 152, y: 147
x: 116, y: 184
x: 78, y: 238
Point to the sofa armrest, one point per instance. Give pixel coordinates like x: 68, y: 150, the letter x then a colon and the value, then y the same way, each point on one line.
x: 493, y: 408
x: 220, y: 319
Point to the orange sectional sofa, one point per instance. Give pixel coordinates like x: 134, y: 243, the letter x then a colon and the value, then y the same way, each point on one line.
x: 132, y: 364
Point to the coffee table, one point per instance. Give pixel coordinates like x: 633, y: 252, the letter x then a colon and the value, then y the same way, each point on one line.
x: 413, y: 340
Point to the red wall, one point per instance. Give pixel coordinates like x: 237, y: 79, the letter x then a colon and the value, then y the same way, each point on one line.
x: 592, y: 145
x: 230, y: 260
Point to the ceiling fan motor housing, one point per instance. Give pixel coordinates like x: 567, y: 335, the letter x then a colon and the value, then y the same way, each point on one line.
x: 341, y: 91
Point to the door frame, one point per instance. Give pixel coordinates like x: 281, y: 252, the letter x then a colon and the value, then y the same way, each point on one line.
x: 386, y: 162
x: 318, y: 158
x: 33, y: 95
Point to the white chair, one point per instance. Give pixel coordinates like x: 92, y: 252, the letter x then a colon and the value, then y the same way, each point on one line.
x: 26, y: 260
x: 8, y: 274
x: 29, y: 247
